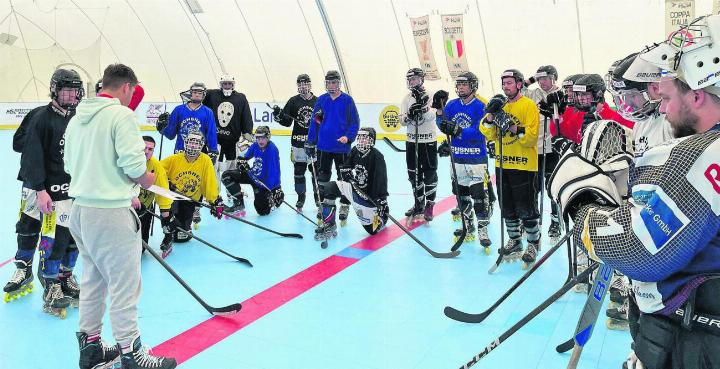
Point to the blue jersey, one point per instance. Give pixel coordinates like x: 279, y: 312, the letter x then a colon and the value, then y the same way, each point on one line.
x: 469, y: 148
x: 266, y: 165
x: 184, y: 120
x: 666, y: 237
x: 340, y: 118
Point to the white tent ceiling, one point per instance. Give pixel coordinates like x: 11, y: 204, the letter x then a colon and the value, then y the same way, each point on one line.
x: 265, y: 44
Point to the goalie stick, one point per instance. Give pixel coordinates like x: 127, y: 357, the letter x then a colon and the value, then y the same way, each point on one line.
x: 535, y: 312
x: 225, y: 310
x: 176, y: 196
x: 461, y: 316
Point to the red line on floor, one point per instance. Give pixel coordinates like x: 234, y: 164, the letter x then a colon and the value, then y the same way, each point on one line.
x: 6, y: 262
x: 206, y: 334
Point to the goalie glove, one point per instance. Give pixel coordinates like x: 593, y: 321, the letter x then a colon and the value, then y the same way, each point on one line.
x: 217, y: 208
x: 162, y: 122
x: 444, y: 149
x: 561, y: 144
x: 577, y: 182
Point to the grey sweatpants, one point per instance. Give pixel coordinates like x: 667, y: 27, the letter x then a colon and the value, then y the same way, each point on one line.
x: 110, y: 242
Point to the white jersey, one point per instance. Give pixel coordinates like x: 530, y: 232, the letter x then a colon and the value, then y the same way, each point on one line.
x: 426, y: 127
x: 537, y: 95
x: 651, y: 132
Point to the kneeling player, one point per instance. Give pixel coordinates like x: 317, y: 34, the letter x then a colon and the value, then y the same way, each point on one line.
x: 363, y: 182
x: 263, y: 176
x: 191, y: 173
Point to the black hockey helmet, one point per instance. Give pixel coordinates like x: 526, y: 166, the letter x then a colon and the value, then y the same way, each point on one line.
x: 619, y: 82
x: 66, y: 78
x: 365, y: 139
x: 592, y: 83
x: 332, y: 75
x: 513, y: 73
x: 567, y: 85
x: 303, y: 78
x: 546, y: 71
x: 631, y: 97
x: 469, y: 78
x: 414, y: 73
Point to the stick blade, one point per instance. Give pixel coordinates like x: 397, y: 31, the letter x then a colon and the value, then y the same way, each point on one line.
x: 226, y: 310
x: 445, y: 255
x: 496, y: 265
x: 464, y: 317
x: 565, y: 346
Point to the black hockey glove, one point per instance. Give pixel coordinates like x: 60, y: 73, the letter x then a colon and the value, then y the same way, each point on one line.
x: 346, y: 174
x: 451, y: 128
x: 276, y: 197
x: 555, y: 97
x: 162, y: 121
x: 439, y: 99
x: 546, y: 109
x: 382, y: 208
x: 170, y: 224
x: 277, y: 113
x: 561, y: 144
x: 217, y: 208
x: 490, y: 146
x: 310, y: 150
x: 495, y: 104
x: 444, y: 149
x: 416, y: 111
x: 502, y: 121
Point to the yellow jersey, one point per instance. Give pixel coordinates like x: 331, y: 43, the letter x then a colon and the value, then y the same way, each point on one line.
x: 161, y: 180
x: 194, y: 180
x: 519, y: 151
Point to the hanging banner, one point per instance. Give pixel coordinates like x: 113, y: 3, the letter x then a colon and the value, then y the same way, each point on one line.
x: 421, y: 33
x: 452, y: 25
x: 679, y: 13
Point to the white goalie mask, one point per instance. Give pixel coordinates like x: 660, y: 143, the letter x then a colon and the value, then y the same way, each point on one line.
x: 225, y: 112
x: 227, y: 84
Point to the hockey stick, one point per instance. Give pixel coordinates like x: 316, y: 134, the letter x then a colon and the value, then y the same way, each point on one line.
x: 324, y: 243
x: 176, y: 196
x: 439, y: 255
x: 152, y: 222
x: 589, y: 315
x: 392, y: 145
x: 499, y: 179
x: 225, y: 310
x: 535, y: 312
x: 188, y: 233
x: 455, y: 183
x: 410, y: 219
x: 461, y: 316
x: 542, y: 176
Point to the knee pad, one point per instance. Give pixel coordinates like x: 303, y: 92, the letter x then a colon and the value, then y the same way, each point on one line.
x: 28, y: 226
x: 463, y: 191
x: 329, y: 191
x: 262, y: 203
x: 465, y: 205
x: 482, y: 209
x: 323, y: 177
x: 655, y: 341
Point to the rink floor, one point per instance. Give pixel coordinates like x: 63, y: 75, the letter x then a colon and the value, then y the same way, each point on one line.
x: 362, y: 303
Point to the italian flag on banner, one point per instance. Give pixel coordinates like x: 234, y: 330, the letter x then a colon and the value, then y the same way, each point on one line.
x: 453, y: 36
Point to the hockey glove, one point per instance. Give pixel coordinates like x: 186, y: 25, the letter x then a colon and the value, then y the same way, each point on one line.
x: 277, y: 113
x: 416, y: 111
x: 162, y: 122
x: 577, y: 182
x: 495, y: 104
x: 444, y: 149
x: 561, y: 144
x: 451, y: 128
x: 556, y: 97
x: 213, y: 156
x: 346, y: 174
x: 276, y: 197
x: 217, y: 208
x: 243, y: 166
x: 382, y: 208
x: 310, y: 149
x: 502, y: 121
x: 490, y: 146
x: 170, y: 224
x: 439, y: 99
x: 546, y: 109
x: 318, y: 119
x: 242, y: 145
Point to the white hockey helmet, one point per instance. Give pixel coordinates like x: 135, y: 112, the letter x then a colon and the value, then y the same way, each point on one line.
x: 227, y: 84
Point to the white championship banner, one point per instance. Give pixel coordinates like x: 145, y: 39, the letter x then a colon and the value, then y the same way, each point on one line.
x: 679, y: 13
x: 421, y: 33
x: 453, y: 39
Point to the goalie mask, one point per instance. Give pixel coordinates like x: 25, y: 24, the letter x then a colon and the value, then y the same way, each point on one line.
x: 304, y: 87
x: 414, y: 77
x: 194, y: 142
x: 227, y: 84
x: 588, y: 90
x: 466, y: 84
x: 631, y: 98
x: 66, y: 88
x: 365, y: 139
x: 332, y: 82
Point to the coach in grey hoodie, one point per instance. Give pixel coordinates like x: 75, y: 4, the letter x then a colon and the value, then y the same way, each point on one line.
x: 104, y: 155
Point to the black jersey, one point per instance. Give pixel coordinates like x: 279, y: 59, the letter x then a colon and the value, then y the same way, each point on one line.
x: 370, y: 172
x: 41, y: 166
x: 232, y: 114
x: 298, y: 110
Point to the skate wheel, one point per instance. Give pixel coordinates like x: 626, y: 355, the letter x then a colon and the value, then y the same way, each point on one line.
x: 7, y: 297
x: 323, y: 245
x: 487, y: 250
x: 196, y: 226
x: 343, y: 223
x: 62, y: 314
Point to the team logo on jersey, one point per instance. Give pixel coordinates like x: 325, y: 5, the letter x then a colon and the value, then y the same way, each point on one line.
x: 390, y: 118
x: 187, y: 183
x: 660, y: 218
x: 463, y: 120
x: 225, y: 112
x: 303, y: 116
x: 257, y: 167
x: 361, y: 176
